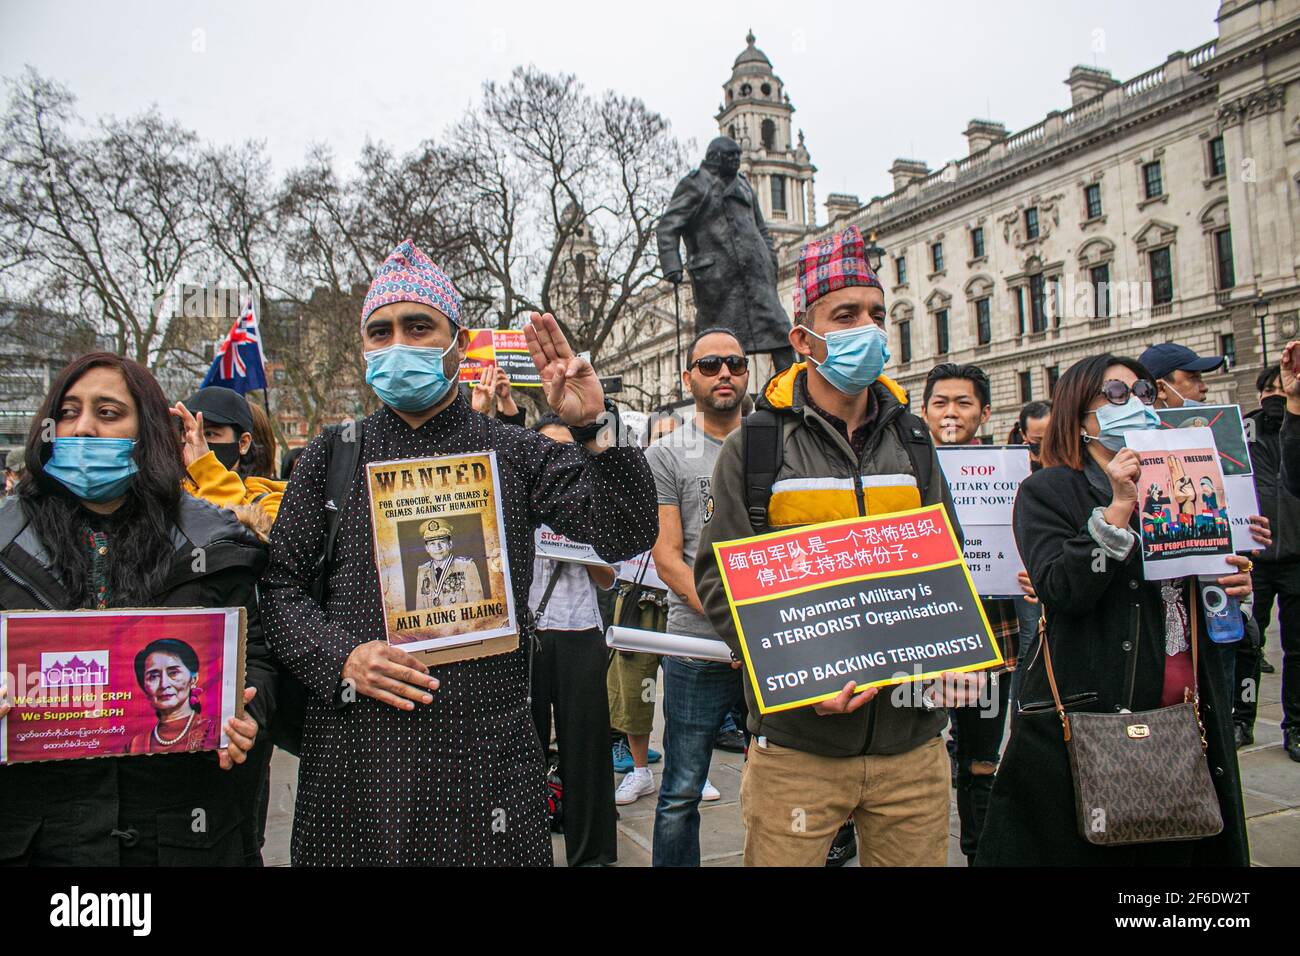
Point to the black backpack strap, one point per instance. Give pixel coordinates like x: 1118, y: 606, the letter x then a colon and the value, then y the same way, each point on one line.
x: 916, y: 440
x: 762, y: 442
x: 341, y: 457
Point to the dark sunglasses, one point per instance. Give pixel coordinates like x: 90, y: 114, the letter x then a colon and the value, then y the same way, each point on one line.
x: 1117, y: 393
x: 712, y: 364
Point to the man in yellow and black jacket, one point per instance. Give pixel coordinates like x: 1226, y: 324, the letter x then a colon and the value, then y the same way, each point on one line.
x: 844, y: 445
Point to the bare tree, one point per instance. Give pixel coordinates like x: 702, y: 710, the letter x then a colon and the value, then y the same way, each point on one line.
x: 101, y: 225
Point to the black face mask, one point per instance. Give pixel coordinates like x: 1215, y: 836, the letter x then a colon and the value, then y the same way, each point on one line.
x: 227, y: 453
x: 1274, y: 406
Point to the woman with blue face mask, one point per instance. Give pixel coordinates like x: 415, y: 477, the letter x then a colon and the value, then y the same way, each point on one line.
x: 1117, y: 640
x: 100, y: 522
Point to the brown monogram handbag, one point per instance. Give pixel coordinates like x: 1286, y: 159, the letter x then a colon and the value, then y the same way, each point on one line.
x: 1140, y: 777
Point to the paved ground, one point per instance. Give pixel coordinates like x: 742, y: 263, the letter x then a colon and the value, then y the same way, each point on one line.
x: 1270, y: 778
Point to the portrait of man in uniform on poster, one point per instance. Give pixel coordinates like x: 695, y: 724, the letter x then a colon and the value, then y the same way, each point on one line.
x: 441, y: 564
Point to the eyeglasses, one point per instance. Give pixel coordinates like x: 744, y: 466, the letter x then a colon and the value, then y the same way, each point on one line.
x: 1117, y: 392
x: 712, y: 364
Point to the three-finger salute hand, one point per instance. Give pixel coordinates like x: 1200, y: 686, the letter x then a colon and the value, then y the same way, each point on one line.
x: 572, y: 389
x: 389, y: 675
x: 193, y: 445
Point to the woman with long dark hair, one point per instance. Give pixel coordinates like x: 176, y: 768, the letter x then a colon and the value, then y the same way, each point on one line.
x: 100, y: 521
x: 1118, y: 641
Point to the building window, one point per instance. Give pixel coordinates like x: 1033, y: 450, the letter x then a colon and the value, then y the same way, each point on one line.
x: 1099, y: 277
x: 1152, y: 181
x: 1026, y: 387
x: 1228, y: 349
x: 1092, y: 198
x: 983, y: 322
x: 941, y: 330
x: 1020, y: 311
x: 900, y: 266
x: 731, y: 130
x: 936, y: 256
x: 1223, y: 258
x: 905, y: 342
x: 768, y: 132
x: 1162, y: 277
x: 1038, y: 303
x: 1031, y: 222
x: 778, y: 194
x: 977, y: 242
x: 1053, y: 376
x: 1218, y: 160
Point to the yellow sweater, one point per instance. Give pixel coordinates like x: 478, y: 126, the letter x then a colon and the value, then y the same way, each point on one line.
x: 212, y: 481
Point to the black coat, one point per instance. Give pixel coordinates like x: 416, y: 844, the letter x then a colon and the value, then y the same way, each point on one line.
x: 1103, y: 620
x: 730, y: 258
x: 64, y: 812
x: 1279, y: 506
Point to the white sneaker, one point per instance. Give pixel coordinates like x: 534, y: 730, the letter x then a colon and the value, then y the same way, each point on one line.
x: 635, y: 785
x: 709, y: 792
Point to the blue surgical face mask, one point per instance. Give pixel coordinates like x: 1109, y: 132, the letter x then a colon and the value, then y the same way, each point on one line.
x: 1114, y: 420
x: 1187, y: 402
x: 408, y: 378
x: 93, y: 469
x: 854, y: 357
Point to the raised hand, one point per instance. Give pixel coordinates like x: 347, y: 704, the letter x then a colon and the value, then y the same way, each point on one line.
x: 572, y: 389
x: 193, y: 445
x: 1290, y: 362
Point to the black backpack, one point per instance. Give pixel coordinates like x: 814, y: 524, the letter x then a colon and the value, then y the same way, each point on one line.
x: 763, y: 447
x: 341, y: 457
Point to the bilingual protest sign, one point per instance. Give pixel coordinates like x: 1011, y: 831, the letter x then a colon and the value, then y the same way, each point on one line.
x: 505, y: 348
x: 111, y: 683
x: 983, y: 481
x: 1182, y: 503
x: 440, y: 550
x: 479, y: 354
x: 1234, y: 461
x: 877, y: 600
x: 553, y: 545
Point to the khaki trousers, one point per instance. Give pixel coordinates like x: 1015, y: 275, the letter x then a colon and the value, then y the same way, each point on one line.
x: 793, y: 802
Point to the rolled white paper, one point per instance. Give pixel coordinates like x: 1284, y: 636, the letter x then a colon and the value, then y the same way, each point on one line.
x: 667, y: 645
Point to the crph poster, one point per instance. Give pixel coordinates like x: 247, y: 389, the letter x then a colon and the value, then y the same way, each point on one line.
x: 111, y: 683
x: 440, y: 551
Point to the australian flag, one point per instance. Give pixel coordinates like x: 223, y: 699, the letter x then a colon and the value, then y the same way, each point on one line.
x: 239, y: 363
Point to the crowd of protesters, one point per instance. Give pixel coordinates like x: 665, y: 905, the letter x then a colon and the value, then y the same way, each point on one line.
x: 401, y: 762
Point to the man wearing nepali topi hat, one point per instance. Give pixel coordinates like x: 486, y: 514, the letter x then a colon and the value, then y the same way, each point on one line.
x: 446, y: 578
x: 403, y: 763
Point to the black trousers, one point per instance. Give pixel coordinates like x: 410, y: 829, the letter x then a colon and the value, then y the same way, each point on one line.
x: 569, y: 678
x: 977, y: 738
x: 1280, y: 581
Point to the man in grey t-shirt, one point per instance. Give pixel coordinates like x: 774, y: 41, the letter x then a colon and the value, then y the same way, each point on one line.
x: 697, y: 694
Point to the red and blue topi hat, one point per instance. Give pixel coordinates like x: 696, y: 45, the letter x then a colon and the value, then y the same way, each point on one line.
x: 408, y: 275
x: 830, y: 264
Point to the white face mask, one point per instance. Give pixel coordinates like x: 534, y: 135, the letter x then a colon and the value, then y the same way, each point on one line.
x: 1186, y: 401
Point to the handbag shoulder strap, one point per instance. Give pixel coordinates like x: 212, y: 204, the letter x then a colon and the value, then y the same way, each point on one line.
x: 1191, y: 695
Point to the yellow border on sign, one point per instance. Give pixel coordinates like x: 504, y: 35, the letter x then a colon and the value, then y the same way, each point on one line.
x: 858, y: 688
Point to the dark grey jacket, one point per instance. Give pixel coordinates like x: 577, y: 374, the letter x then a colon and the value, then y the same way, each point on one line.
x: 730, y: 258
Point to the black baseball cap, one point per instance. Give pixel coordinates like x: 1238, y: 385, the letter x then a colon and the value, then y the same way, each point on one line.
x: 222, y: 406
x: 1165, y: 359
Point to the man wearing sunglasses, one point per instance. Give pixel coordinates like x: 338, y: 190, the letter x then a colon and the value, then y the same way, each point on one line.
x: 698, y: 695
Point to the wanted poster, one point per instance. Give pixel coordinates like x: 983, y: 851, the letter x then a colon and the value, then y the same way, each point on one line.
x: 440, y: 549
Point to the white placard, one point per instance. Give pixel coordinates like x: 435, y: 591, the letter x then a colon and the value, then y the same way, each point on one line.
x: 630, y: 570
x: 667, y: 645
x: 552, y: 544
x: 983, y: 481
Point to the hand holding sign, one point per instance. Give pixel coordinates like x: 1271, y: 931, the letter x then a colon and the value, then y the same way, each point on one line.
x: 389, y: 674
x: 956, y: 689
x: 846, y: 702
x: 1123, y: 471
x: 241, y: 732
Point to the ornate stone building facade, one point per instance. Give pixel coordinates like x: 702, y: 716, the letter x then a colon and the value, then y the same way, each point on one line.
x: 1162, y: 208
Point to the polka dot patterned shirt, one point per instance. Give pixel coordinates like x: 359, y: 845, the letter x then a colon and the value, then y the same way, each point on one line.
x: 459, y: 781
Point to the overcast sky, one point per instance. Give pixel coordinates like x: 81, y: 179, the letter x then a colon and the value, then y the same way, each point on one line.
x: 869, y: 81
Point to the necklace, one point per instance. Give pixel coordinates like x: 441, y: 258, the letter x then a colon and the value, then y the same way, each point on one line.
x: 178, y: 738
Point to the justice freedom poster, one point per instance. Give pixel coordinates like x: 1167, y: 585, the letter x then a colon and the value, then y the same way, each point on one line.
x: 877, y: 600
x: 1234, y: 460
x: 1183, y: 508
x: 983, y: 481
x: 112, y: 683
x: 440, y: 551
